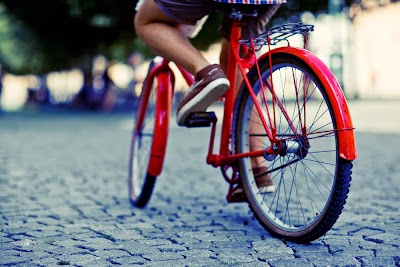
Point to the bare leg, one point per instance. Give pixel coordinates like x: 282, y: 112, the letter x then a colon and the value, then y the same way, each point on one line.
x: 159, y: 33
x: 255, y: 125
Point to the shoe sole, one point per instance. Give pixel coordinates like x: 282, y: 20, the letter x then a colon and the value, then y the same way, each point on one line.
x: 267, y: 189
x: 203, y: 99
x: 262, y: 190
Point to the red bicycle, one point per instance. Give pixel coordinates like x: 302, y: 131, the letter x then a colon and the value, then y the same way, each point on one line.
x: 290, y: 112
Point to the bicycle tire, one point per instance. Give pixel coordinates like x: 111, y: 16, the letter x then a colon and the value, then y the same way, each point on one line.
x: 146, y: 137
x: 312, y: 184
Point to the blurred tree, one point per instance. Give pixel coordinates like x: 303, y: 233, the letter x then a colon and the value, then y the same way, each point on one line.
x: 43, y: 35
x: 60, y: 33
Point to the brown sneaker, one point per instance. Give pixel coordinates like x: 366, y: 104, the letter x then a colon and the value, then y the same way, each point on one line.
x: 264, y: 183
x: 209, y: 84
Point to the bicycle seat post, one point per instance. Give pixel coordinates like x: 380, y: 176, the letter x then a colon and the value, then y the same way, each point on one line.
x: 237, y: 15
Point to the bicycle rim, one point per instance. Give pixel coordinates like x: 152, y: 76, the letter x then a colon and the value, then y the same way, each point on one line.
x: 311, y: 181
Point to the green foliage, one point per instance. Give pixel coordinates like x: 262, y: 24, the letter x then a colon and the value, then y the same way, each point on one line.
x: 46, y: 35
x: 40, y: 36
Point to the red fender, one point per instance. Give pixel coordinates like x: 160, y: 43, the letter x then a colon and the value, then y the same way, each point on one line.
x: 347, y: 145
x: 161, y: 124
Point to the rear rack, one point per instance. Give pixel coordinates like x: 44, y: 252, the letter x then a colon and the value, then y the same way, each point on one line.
x: 277, y: 34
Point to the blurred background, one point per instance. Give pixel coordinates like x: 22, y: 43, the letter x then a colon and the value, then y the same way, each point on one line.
x: 85, y: 55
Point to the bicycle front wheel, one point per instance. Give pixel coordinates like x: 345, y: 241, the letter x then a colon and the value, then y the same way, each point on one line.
x: 309, y: 180
x: 149, y: 138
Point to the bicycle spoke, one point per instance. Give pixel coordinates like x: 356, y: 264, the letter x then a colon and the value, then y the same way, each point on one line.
x: 304, y: 165
x: 319, y: 161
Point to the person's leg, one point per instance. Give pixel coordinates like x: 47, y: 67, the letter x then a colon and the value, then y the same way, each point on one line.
x: 160, y: 34
x: 256, y: 125
x: 223, y: 56
x: 223, y: 62
x: 253, y: 27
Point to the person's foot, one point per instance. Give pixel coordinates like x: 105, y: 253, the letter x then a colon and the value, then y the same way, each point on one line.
x: 210, y: 84
x: 263, y: 181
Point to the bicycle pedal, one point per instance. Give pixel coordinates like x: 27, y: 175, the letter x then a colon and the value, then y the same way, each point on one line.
x: 237, y: 198
x: 200, y: 119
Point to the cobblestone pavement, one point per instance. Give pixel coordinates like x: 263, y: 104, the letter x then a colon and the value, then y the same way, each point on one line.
x: 63, y: 201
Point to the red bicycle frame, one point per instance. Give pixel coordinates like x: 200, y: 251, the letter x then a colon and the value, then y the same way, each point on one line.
x: 226, y: 157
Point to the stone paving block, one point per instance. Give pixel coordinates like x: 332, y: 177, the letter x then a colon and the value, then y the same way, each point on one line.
x: 162, y: 256
x: 26, y: 242
x: 168, y: 224
x: 10, y: 260
x: 204, y: 236
x: 366, y: 231
x: 17, y: 233
x: 31, y: 264
x: 64, y: 241
x: 136, y: 248
x: 85, y: 259
x: 201, y: 245
x: 272, y: 246
x: 386, y: 238
x: 210, y: 228
x: 318, y: 259
x: 258, y: 235
x: 6, y: 245
x: 201, y: 253
x: 129, y: 261
x: 3, y: 234
x: 344, y: 261
x: 187, y: 241
x: 352, y: 251
x: 78, y: 228
x: 290, y: 262
x: 232, y: 259
x: 229, y: 233
x: 315, y: 252
x: 246, y: 238
x: 272, y: 257
x: 125, y: 234
x: 188, y: 262
x: 238, y: 251
x: 147, y: 229
x: 377, y: 261
x: 387, y: 251
x: 110, y: 253
x: 171, y: 248
x: 67, y: 250
x: 61, y: 205
x: 34, y: 254
x: 45, y: 232
x: 231, y: 245
x: 253, y: 264
x: 156, y: 242
x: 104, y: 241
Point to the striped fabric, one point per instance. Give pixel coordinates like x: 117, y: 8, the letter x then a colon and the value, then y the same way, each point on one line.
x: 252, y: 2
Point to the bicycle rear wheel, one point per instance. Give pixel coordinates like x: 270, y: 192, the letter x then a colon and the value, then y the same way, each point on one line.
x: 149, y: 137
x: 311, y: 180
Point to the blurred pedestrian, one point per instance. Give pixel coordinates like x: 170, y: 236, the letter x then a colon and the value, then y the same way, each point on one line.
x: 1, y: 84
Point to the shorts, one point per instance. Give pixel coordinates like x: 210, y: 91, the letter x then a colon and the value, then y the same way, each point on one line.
x: 189, y: 12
